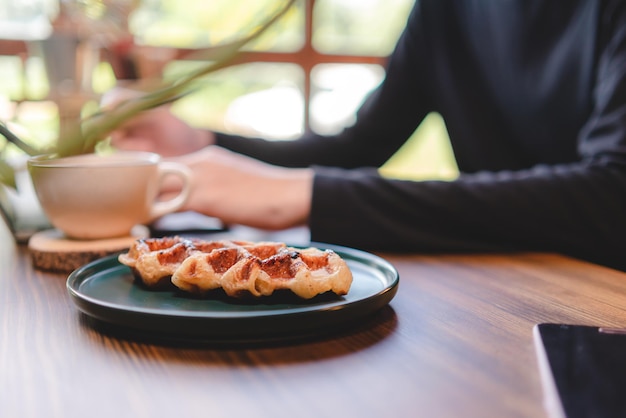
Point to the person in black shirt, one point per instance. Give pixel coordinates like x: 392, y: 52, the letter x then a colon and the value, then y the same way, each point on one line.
x: 533, y: 94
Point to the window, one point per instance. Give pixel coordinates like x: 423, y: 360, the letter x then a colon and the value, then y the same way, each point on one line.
x: 310, y: 71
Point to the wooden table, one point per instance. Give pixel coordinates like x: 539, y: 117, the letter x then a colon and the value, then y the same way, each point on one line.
x: 455, y: 342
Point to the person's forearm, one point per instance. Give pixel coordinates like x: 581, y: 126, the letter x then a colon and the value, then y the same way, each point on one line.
x: 575, y: 210
x: 290, y: 204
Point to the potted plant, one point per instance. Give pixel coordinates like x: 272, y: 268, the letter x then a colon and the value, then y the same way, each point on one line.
x: 83, y: 136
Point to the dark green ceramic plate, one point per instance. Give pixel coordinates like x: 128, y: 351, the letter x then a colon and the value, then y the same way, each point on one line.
x: 107, y: 291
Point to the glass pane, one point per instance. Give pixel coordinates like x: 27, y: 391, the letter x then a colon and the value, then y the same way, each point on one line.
x: 197, y: 24
x: 260, y: 99
x: 11, y: 77
x: 358, y: 27
x: 26, y: 19
x: 337, y: 91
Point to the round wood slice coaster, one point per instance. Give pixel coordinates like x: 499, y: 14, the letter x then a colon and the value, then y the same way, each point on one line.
x: 52, y: 251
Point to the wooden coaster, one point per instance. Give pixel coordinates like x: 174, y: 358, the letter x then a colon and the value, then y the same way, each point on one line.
x: 52, y: 251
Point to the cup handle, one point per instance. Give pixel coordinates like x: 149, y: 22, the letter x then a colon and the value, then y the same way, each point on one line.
x: 167, y: 168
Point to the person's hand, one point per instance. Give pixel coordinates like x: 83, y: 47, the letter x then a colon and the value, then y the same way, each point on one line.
x: 157, y: 130
x: 241, y: 190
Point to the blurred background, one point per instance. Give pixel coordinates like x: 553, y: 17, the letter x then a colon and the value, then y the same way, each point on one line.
x: 310, y: 71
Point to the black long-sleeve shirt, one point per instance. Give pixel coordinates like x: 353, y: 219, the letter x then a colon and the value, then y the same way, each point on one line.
x: 533, y: 94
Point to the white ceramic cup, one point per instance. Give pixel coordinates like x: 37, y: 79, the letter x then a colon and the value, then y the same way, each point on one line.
x: 104, y: 196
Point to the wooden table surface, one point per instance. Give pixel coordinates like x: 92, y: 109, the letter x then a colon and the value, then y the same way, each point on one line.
x: 456, y: 341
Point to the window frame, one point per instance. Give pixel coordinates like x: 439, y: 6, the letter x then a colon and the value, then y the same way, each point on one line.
x: 307, y: 58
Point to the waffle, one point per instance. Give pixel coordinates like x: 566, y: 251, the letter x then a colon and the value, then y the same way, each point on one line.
x: 240, y: 268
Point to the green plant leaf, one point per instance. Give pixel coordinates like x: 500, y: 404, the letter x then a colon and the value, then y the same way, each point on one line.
x: 7, y: 174
x: 12, y: 138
